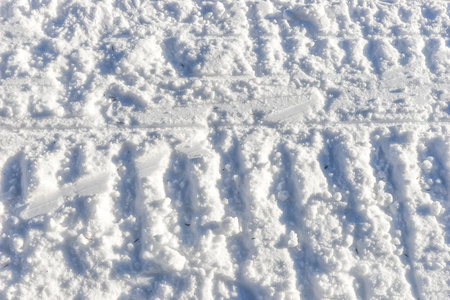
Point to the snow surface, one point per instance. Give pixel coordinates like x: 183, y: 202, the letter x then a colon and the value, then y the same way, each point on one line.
x: 232, y: 149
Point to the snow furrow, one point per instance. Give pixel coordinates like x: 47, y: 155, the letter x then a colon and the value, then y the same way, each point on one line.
x: 267, y: 269
x: 371, y: 225
x: 284, y: 188
x: 409, y: 199
x: 434, y: 162
x: 249, y: 149
x: 317, y: 211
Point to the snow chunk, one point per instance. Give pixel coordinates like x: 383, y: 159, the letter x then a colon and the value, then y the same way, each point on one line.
x: 16, y: 243
x: 229, y: 226
x: 314, y: 14
x: 170, y: 259
x: 435, y: 208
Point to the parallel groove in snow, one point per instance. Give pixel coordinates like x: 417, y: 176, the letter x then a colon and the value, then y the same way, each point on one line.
x: 342, y: 205
x: 191, y: 149
x: 162, y: 126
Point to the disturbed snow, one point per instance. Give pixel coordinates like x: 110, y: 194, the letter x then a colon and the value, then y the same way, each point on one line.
x: 188, y: 149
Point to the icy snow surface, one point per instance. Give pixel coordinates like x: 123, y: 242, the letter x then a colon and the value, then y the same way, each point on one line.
x: 232, y: 149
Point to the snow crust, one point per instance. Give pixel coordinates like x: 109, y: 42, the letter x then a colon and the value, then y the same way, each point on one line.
x: 230, y: 149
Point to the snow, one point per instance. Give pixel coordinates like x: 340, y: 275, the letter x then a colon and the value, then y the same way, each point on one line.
x: 186, y: 149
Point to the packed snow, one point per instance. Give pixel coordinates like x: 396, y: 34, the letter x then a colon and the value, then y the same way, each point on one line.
x: 229, y: 149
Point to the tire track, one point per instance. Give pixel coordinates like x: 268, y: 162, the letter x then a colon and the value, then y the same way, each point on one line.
x: 435, y: 166
x: 338, y: 202
x: 158, y: 242
x: 305, y: 183
x: 267, y: 270
x: 17, y: 169
x: 231, y: 187
x: 128, y: 193
x: 385, y: 166
x: 269, y: 58
x: 326, y: 277
x: 284, y: 189
x: 372, y: 240
x: 197, y: 173
x: 158, y: 219
x: 419, y: 230
x: 203, y: 167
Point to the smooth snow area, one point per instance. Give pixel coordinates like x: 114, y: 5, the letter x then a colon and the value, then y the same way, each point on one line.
x: 233, y: 149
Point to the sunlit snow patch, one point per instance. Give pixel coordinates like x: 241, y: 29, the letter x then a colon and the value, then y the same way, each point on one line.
x: 146, y: 166
x: 195, y: 150
x: 47, y: 201
x: 194, y: 146
x: 297, y: 109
